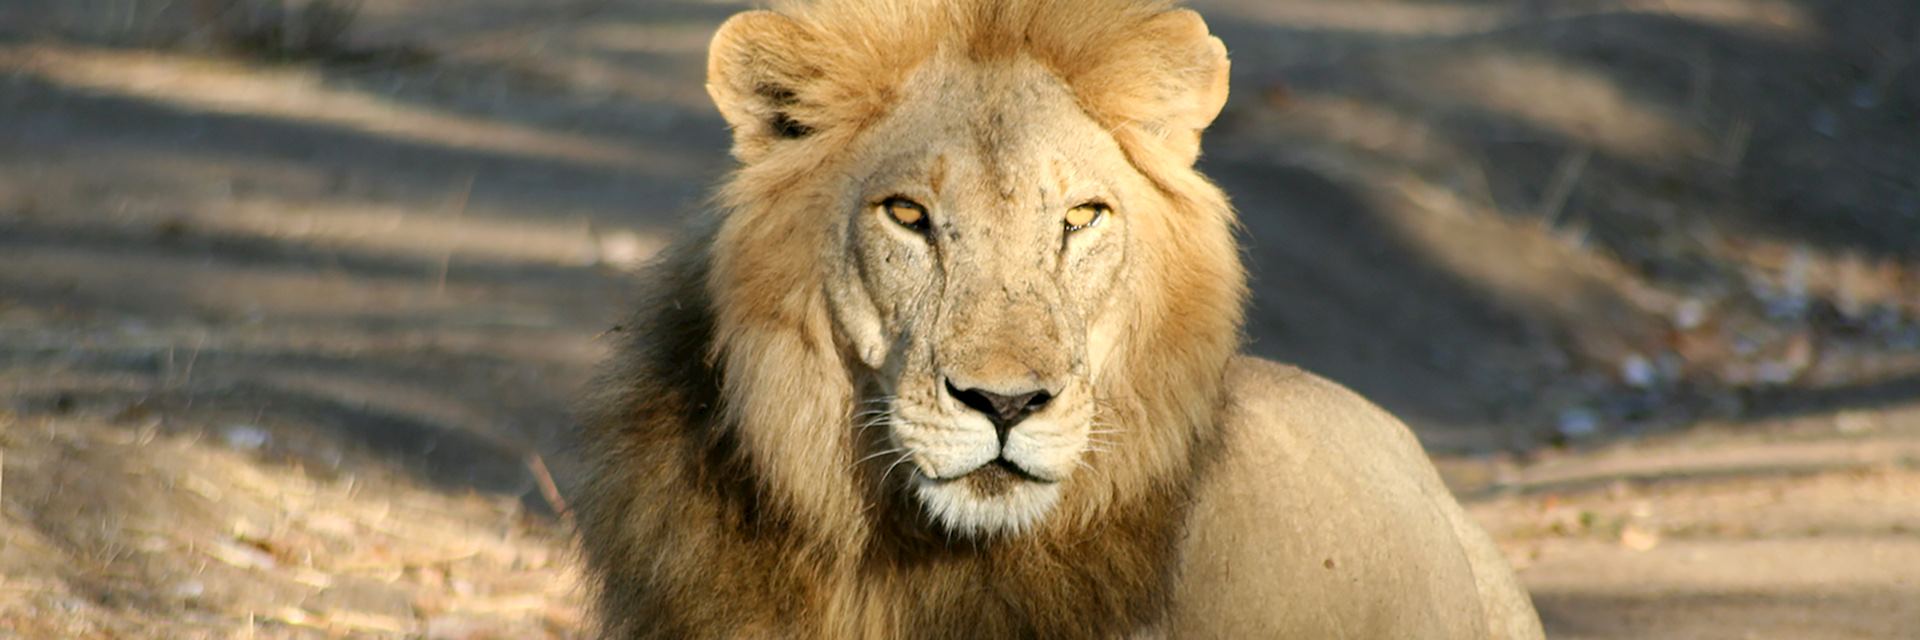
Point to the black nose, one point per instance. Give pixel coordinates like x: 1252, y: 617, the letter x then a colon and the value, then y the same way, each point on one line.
x: 1004, y: 410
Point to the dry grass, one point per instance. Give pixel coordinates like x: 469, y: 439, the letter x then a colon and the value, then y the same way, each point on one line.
x: 118, y: 530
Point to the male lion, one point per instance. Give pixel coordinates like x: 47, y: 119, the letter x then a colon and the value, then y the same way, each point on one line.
x: 958, y: 360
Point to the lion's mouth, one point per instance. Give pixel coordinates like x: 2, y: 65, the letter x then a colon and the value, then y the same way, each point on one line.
x: 995, y: 477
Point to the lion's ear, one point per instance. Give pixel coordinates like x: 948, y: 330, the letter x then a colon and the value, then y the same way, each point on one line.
x: 1191, y: 82
x: 755, y: 68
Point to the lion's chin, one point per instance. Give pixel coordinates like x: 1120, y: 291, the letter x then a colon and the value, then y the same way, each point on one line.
x: 988, y: 502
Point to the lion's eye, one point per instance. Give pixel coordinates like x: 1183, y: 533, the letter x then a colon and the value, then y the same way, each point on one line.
x: 1086, y: 215
x: 906, y: 212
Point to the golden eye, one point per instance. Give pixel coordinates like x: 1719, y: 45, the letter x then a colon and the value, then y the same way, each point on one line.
x: 1086, y: 215
x: 906, y: 212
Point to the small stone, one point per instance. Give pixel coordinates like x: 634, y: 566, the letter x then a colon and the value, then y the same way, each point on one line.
x: 189, y: 590
x: 1579, y: 422
x: 242, y: 437
x: 1865, y: 96
x: 1855, y: 422
x: 1690, y: 314
x: 1638, y: 372
x: 1774, y: 373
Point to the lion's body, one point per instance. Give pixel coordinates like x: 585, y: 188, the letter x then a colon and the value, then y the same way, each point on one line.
x: 1317, y: 515
x: 1324, y: 519
x: 966, y: 242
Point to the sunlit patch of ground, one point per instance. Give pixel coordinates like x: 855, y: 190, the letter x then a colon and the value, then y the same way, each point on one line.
x: 112, y: 528
x: 221, y: 86
x: 1798, y: 528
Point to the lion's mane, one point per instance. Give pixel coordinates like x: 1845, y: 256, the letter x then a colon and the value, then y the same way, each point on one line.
x: 718, y: 498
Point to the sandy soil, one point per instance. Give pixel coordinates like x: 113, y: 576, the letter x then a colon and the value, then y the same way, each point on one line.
x: 288, y: 333
x: 115, y: 528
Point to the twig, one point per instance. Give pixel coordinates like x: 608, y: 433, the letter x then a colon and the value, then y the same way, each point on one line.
x: 126, y: 25
x: 28, y: 588
x: 186, y: 374
x: 385, y: 564
x: 446, y: 259
x: 1565, y: 178
x: 1487, y: 198
x: 1733, y: 152
x: 548, y: 489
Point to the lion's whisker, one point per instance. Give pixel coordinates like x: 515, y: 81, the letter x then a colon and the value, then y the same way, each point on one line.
x: 889, y: 472
x: 878, y: 454
x: 862, y: 428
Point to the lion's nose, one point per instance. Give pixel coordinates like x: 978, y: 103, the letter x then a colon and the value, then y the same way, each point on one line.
x: 1004, y: 410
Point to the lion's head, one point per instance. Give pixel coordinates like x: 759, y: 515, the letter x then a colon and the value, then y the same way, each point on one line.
x: 966, y: 261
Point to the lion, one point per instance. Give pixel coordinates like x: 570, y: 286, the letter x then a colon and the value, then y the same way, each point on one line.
x: 958, y: 357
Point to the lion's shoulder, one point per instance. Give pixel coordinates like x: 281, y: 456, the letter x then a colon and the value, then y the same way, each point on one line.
x: 1323, y: 500
x: 1280, y: 419
x: 1271, y: 400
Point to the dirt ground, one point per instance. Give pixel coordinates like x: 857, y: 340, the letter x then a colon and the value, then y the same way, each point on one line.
x: 289, y: 321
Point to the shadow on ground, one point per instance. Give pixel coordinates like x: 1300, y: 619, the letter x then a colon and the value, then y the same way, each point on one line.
x: 1677, y: 142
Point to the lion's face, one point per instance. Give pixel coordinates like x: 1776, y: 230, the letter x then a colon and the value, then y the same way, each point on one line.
x: 985, y: 234
x: 1025, y: 283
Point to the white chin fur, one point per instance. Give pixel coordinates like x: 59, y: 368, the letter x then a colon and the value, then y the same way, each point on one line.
x: 961, y: 510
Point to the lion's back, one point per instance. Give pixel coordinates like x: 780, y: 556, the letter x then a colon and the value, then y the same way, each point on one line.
x: 1323, y: 517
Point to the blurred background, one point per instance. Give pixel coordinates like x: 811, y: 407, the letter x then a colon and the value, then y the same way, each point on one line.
x: 295, y: 294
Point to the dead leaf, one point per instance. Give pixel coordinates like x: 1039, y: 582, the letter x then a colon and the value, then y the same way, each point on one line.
x: 1637, y: 538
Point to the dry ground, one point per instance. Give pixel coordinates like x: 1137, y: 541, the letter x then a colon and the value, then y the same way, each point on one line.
x: 288, y: 332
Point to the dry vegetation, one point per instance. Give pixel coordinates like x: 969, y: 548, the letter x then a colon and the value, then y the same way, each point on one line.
x: 116, y: 528
x: 290, y: 292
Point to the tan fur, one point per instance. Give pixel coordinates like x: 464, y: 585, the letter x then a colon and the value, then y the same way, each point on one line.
x: 778, y: 450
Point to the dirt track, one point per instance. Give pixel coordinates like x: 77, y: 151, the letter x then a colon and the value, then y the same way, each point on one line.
x: 280, y: 339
